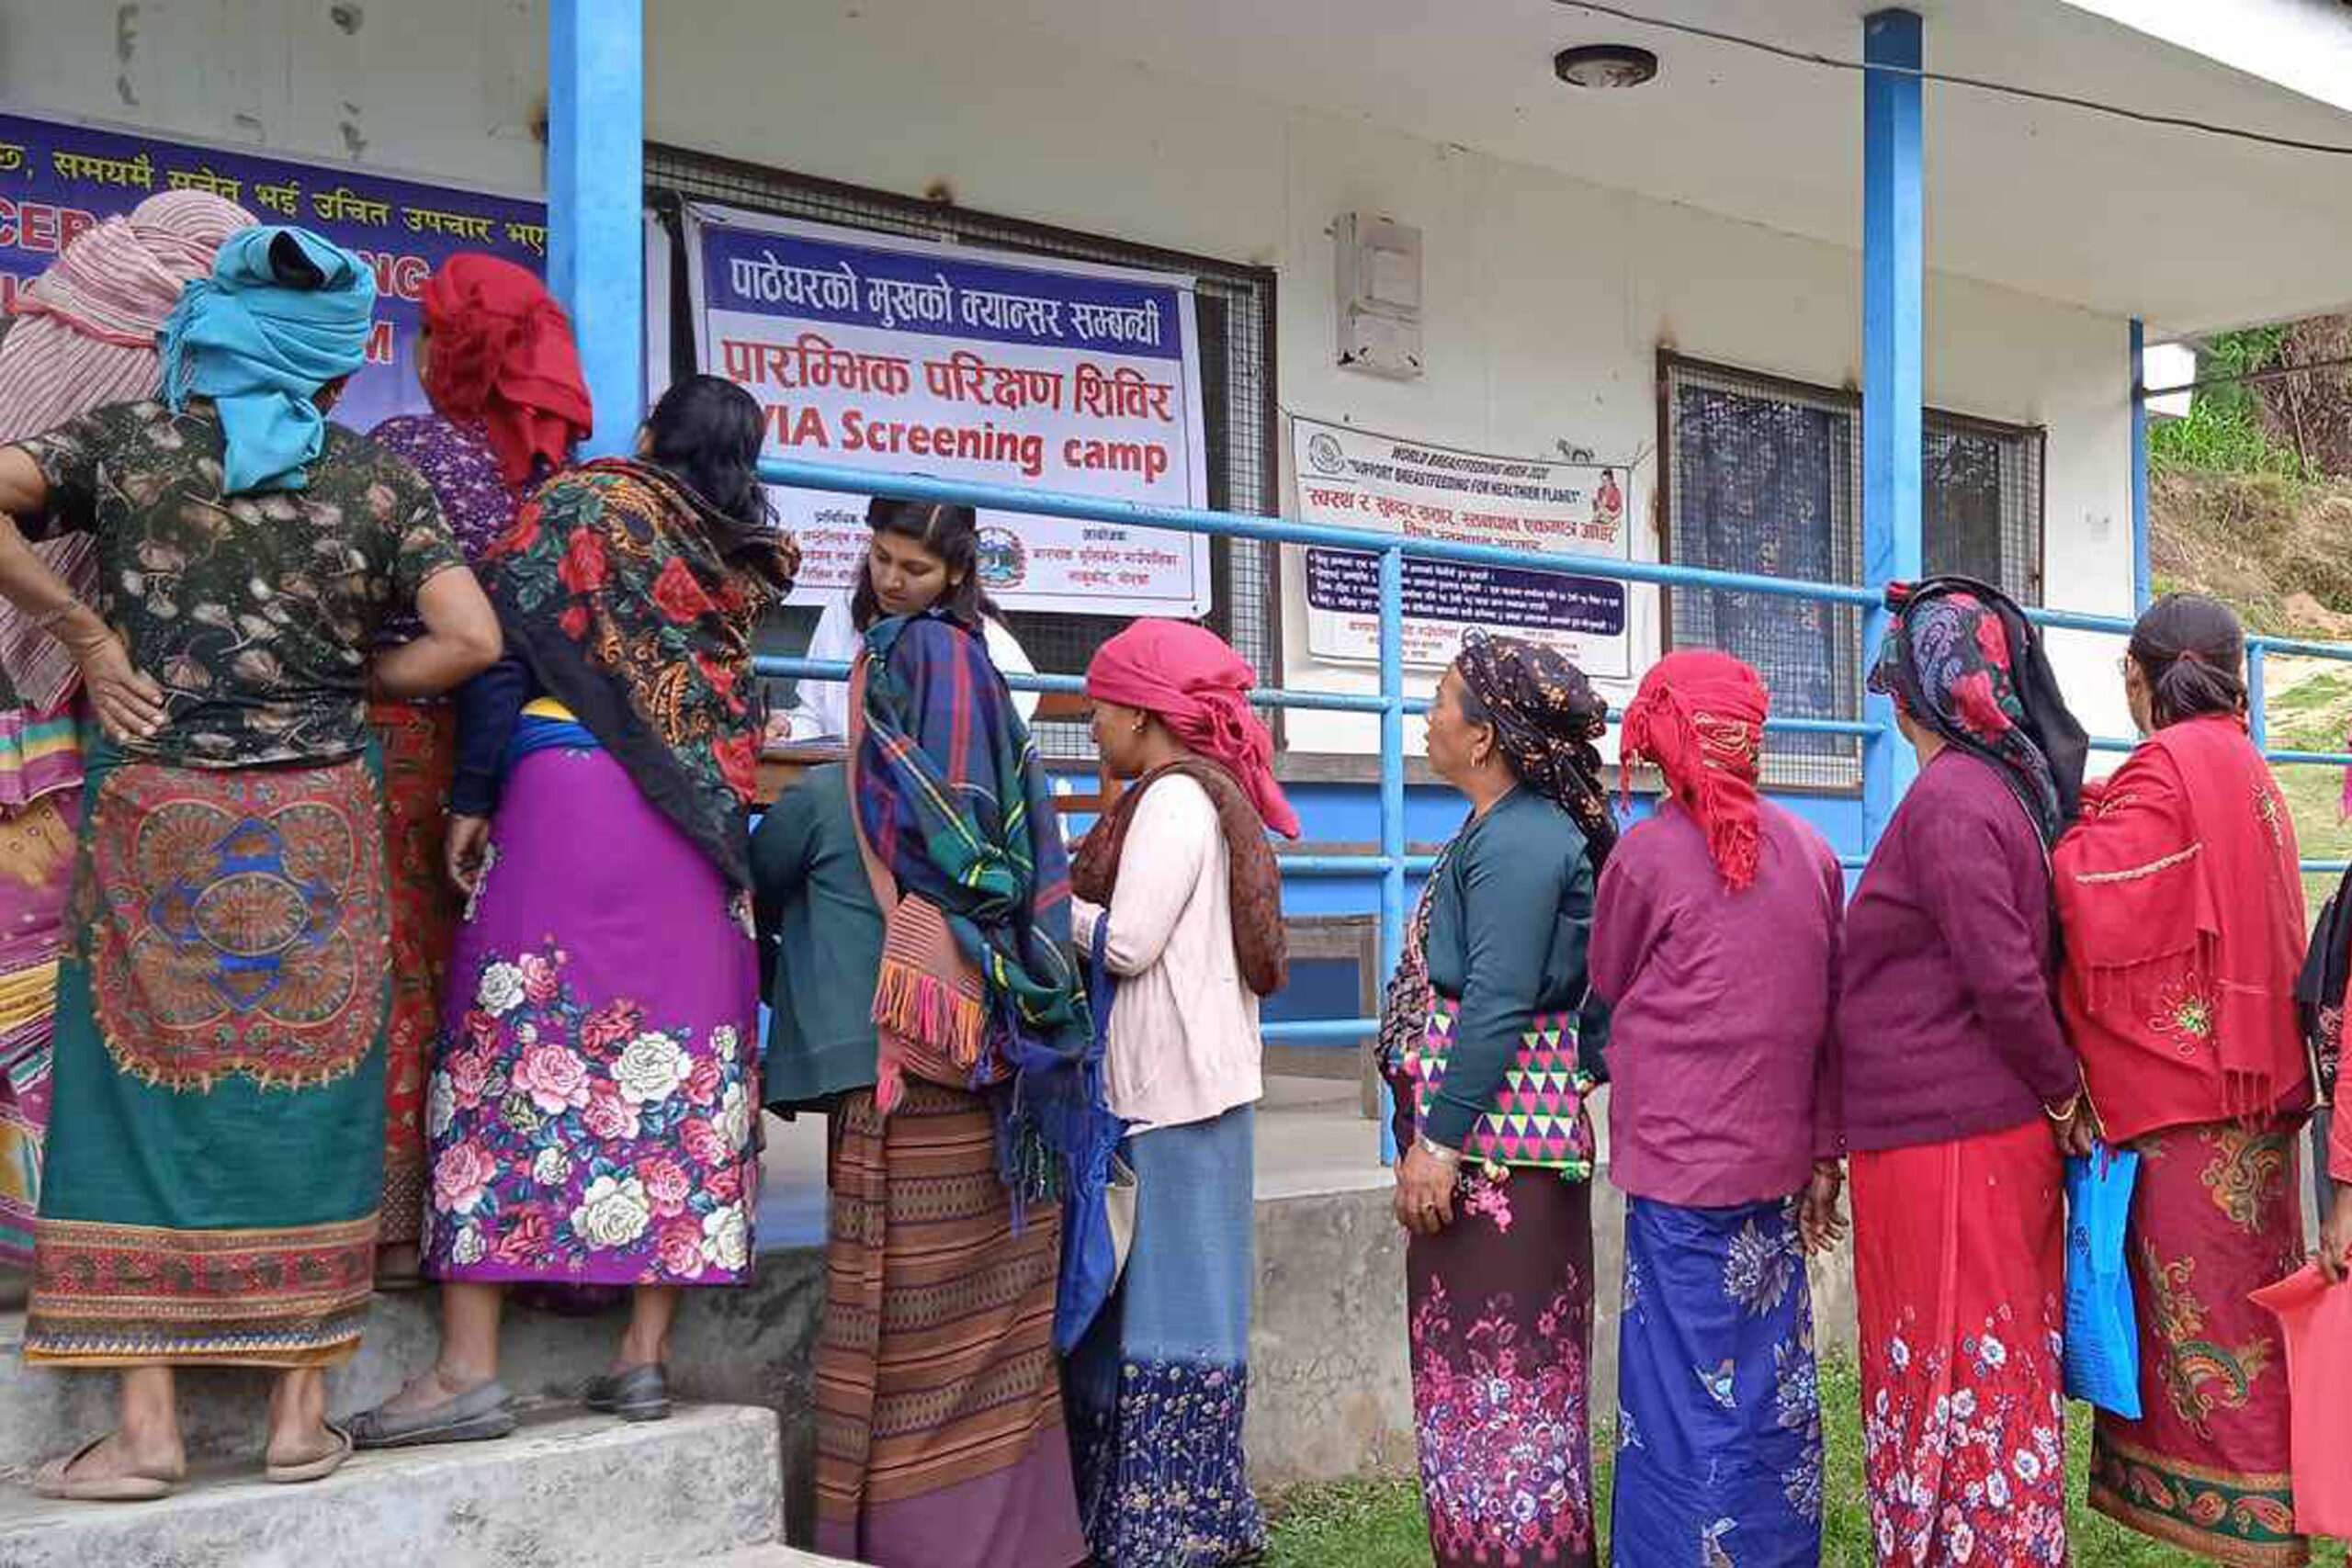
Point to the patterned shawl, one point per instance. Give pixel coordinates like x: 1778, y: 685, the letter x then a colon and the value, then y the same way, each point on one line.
x: 1960, y: 658
x: 954, y: 800
x: 1547, y: 719
x: 632, y: 601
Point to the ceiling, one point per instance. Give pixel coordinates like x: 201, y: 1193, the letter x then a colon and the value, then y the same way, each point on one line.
x: 2192, y: 231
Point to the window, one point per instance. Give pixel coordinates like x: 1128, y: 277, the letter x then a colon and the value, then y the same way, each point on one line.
x: 1235, y: 311
x: 1764, y: 475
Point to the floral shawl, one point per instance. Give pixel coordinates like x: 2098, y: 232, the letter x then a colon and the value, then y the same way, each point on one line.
x: 632, y: 600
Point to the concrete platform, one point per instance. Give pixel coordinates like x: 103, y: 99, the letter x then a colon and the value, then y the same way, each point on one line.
x: 561, y: 1493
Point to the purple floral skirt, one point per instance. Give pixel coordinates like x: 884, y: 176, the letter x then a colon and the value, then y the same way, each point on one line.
x: 1500, y: 1318
x: 591, y: 1112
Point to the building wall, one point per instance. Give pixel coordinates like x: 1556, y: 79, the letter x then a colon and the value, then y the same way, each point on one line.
x: 1546, y: 298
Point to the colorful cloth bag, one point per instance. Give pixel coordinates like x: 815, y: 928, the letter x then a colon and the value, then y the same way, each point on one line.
x: 1539, y: 1117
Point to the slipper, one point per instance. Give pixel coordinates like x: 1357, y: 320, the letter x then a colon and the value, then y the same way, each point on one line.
x: 317, y: 1469
x: 53, y: 1481
x: 483, y: 1412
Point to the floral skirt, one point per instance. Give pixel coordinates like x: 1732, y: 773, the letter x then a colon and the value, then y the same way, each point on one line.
x: 1158, y: 1386
x: 1959, y: 1266
x: 418, y: 741
x: 1718, y: 1400
x: 590, y: 1113
x: 1500, y: 1308
x: 2215, y: 1213
x: 940, y: 1441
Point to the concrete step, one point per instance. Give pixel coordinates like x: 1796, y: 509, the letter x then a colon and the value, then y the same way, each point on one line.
x: 762, y: 1557
x: 704, y: 1487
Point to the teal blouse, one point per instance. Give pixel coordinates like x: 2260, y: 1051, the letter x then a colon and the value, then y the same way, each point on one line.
x: 1510, y: 922
x: 817, y: 904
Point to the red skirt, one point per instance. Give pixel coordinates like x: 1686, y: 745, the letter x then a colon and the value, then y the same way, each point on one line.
x: 1959, y: 1278
x: 418, y: 741
x: 2216, y: 1212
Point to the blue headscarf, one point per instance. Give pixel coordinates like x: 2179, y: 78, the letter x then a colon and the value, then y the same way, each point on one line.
x: 260, y: 338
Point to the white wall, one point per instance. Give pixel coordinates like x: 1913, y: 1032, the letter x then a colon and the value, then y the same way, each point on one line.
x: 1546, y: 297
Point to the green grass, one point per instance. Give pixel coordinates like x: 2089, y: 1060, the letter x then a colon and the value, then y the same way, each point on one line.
x: 1378, y: 1523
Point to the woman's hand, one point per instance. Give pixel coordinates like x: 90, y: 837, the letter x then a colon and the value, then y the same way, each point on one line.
x: 1820, y: 1225
x: 129, y: 703
x: 1425, y: 1189
x: 2335, y: 1236
x: 469, y: 848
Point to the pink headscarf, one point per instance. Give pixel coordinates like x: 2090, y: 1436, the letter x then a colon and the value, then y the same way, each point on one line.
x: 84, y: 337
x: 1199, y: 688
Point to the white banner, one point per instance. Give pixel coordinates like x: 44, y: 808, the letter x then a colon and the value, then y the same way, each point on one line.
x: 876, y: 352
x: 1351, y: 478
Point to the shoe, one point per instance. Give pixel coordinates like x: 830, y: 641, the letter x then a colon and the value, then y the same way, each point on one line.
x: 640, y: 1394
x: 483, y: 1411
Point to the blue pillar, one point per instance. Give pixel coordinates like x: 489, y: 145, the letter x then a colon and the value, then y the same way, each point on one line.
x: 1392, y: 794
x: 596, y: 201
x: 1893, y: 267
x: 2142, y: 577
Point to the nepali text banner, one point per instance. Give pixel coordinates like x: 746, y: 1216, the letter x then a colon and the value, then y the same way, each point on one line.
x: 58, y: 179
x: 1351, y: 478
x: 903, y: 355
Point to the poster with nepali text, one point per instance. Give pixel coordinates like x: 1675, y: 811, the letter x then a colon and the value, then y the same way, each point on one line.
x: 58, y: 179
x: 872, y: 351
x: 1352, y: 478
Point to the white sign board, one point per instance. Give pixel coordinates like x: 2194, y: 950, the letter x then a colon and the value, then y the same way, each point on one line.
x: 884, y: 353
x: 1351, y: 478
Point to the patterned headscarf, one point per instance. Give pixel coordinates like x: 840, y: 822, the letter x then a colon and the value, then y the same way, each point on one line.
x: 84, y: 336
x: 1700, y: 717
x: 1950, y: 661
x: 1546, y: 718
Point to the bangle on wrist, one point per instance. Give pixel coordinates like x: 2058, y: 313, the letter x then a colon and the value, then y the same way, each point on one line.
x: 1440, y: 1153
x: 51, y: 619
x: 2064, y: 1109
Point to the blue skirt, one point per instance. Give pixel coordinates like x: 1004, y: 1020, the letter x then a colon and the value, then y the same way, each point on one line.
x: 1719, y: 1410
x: 1157, y: 1389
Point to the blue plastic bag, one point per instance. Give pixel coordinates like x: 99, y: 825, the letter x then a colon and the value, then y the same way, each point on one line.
x: 2102, y: 1327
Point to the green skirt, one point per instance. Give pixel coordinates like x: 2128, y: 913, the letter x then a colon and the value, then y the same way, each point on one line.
x: 215, y: 1157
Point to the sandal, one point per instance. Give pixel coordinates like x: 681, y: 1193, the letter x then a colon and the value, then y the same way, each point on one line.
x: 55, y: 1480
x: 317, y: 1469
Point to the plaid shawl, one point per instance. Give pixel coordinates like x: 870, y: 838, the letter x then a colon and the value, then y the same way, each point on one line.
x: 954, y: 800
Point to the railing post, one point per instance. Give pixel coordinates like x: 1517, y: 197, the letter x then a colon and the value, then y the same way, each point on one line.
x: 1392, y: 794
x: 596, y: 202
x: 2257, y: 723
x: 2143, y: 574
x: 1893, y: 265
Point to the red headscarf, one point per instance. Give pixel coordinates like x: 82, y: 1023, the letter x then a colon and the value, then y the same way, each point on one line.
x: 502, y: 356
x: 1700, y: 717
x: 1200, y: 689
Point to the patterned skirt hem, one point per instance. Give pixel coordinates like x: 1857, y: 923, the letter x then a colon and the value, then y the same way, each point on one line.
x: 490, y: 1273
x: 2205, y: 1543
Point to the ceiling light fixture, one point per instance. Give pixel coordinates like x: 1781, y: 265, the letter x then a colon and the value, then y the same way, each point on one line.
x: 1602, y: 65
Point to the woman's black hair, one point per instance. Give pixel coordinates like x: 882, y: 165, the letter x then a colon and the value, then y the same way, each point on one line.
x: 2191, y: 647
x: 951, y: 532
x: 706, y: 431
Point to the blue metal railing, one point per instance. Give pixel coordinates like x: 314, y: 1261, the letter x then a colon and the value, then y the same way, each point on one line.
x: 1391, y: 863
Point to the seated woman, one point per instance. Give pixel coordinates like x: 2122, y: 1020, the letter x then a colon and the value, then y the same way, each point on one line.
x: 592, y: 1113
x: 1179, y: 887
x: 497, y: 363
x: 1715, y: 945
x: 1492, y: 985
x: 2180, y: 893
x: 921, y: 554
x: 921, y: 898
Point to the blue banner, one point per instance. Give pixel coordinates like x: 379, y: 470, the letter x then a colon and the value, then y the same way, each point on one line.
x: 57, y: 180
